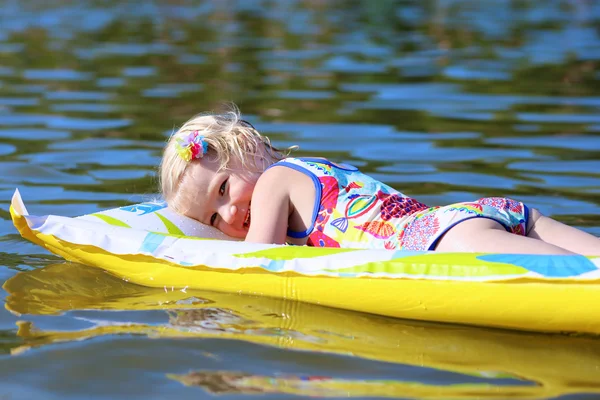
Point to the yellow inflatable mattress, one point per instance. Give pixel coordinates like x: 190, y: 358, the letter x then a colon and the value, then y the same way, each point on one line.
x: 148, y: 244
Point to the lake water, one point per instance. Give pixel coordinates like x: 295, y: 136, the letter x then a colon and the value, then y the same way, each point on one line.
x: 444, y: 100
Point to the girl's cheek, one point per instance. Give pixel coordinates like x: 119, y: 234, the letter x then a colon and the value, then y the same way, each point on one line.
x: 223, y: 227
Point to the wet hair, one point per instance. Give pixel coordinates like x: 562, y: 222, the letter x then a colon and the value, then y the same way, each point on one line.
x: 228, y: 137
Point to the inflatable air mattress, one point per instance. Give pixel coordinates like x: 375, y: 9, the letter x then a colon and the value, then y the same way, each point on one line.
x: 148, y: 244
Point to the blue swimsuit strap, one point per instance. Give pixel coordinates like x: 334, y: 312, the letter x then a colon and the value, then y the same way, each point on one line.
x: 317, y: 183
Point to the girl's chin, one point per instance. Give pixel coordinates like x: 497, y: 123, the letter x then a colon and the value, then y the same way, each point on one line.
x: 240, y: 235
x: 235, y: 233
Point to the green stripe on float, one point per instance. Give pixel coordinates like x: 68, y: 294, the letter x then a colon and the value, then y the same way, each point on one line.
x: 441, y: 265
x: 111, y: 220
x: 294, y: 252
x: 171, y: 227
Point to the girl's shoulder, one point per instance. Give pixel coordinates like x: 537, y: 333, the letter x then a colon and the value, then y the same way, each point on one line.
x: 287, y: 177
x: 311, y: 162
x: 283, y: 173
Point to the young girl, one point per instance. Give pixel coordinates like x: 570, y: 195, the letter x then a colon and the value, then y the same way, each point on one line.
x: 219, y: 170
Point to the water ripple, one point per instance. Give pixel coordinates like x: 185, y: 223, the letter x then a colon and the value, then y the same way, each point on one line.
x: 17, y: 173
x: 55, y: 75
x: 66, y: 159
x: 33, y: 134
x: 79, y: 96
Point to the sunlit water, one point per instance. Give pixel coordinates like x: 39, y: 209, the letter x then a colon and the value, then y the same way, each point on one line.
x: 445, y: 100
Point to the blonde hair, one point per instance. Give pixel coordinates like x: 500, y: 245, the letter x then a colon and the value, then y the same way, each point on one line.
x: 228, y: 137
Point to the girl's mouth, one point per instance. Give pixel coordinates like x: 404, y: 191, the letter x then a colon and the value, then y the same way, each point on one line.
x: 247, y: 220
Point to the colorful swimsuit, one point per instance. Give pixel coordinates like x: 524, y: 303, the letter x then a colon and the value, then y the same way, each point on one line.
x: 356, y: 211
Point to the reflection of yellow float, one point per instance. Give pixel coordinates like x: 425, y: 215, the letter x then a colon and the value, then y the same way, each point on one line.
x: 226, y: 382
x: 548, y: 365
x: 541, y: 293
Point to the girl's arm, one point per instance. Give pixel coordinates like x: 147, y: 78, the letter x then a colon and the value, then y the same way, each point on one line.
x: 270, y: 207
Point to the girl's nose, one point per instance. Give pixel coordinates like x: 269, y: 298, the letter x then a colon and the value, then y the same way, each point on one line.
x: 228, y: 212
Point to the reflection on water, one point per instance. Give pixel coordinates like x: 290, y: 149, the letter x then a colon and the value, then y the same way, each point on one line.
x: 343, y: 353
x: 445, y: 100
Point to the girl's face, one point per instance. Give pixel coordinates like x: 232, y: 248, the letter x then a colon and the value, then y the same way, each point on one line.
x: 218, y: 198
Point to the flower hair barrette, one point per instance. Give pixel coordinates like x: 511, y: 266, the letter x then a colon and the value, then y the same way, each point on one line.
x: 191, y: 146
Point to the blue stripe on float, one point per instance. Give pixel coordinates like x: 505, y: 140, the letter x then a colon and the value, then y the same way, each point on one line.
x: 151, y: 242
x: 550, y: 266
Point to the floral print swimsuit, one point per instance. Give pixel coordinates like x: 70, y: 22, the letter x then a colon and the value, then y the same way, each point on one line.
x: 354, y: 210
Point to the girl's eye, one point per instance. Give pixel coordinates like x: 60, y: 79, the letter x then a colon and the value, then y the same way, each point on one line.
x: 222, y: 188
x: 213, y: 218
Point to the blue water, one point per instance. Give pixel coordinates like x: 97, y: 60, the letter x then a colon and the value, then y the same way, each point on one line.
x: 445, y: 100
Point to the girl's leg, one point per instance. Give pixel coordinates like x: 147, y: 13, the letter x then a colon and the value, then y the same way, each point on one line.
x: 551, y: 231
x: 483, y: 235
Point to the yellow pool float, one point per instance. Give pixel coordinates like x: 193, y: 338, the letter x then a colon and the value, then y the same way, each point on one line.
x: 525, y: 292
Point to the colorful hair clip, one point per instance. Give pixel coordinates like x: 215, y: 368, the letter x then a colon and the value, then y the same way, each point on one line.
x: 191, y: 145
